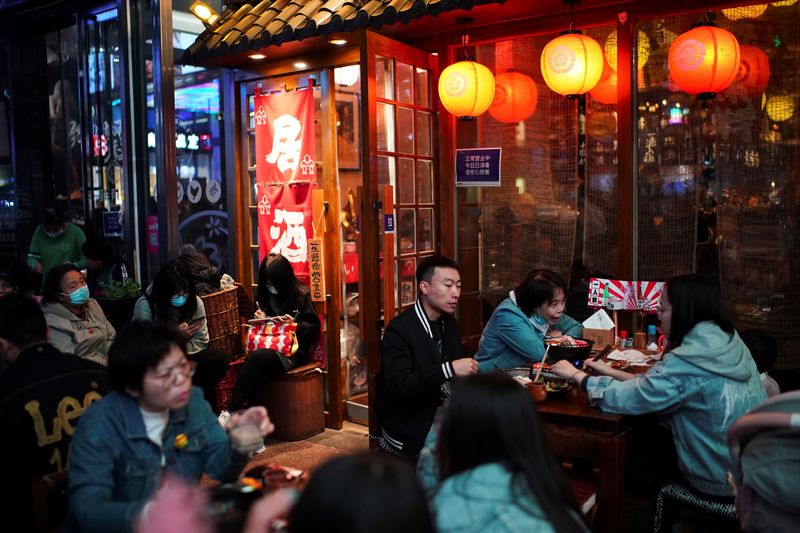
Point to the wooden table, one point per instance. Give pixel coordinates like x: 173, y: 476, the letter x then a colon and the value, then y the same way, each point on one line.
x: 575, y: 429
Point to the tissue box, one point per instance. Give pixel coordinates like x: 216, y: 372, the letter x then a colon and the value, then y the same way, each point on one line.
x: 601, y: 337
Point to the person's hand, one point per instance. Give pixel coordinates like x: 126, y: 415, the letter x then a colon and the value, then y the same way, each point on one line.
x: 264, y: 512
x: 177, y: 506
x: 554, y: 333
x: 465, y: 367
x: 564, y: 369
x: 194, y: 327
x: 598, y: 366
x: 184, y: 327
x: 38, y: 268
x: 256, y: 416
x: 260, y: 314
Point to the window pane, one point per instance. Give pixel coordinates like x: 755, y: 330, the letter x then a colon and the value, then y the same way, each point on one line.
x: 253, y: 188
x: 254, y: 253
x: 406, y: 230
x: 405, y: 130
x: 407, y: 269
x: 251, y: 115
x: 405, y: 183
x: 405, y: 83
x: 384, y: 78
x: 385, y: 124
x: 423, y: 134
x: 385, y: 171
x: 251, y: 149
x: 422, y: 95
x: 254, y: 226
x: 425, y: 234
x: 424, y: 182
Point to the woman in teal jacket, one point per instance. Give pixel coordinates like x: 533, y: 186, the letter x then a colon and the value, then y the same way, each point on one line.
x: 704, y: 382
x: 492, y: 470
x: 516, y: 331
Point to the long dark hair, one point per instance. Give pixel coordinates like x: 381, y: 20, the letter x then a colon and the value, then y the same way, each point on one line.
x: 539, y: 287
x: 173, y: 278
x: 362, y: 493
x: 694, y: 298
x: 492, y: 419
x: 277, y: 270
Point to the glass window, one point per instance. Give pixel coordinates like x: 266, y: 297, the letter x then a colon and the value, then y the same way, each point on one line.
x: 385, y: 120
x: 423, y: 133
x: 422, y: 94
x: 405, y: 182
x: 405, y: 83
x: 384, y: 77
x: 405, y: 130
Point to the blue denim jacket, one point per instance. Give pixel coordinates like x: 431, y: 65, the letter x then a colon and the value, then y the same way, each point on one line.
x: 510, y: 340
x: 115, y: 468
x: 700, y: 388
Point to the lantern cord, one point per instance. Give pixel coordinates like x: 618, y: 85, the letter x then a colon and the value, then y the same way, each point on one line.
x: 572, y: 15
x: 465, y: 39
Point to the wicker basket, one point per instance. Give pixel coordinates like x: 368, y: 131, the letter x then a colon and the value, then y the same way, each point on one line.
x: 222, y: 315
x: 225, y: 387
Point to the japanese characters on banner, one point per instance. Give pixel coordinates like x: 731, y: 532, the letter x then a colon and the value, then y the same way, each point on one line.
x: 622, y: 295
x: 286, y: 173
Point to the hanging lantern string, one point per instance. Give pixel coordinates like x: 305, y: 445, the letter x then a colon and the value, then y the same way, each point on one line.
x: 465, y: 39
x: 572, y: 15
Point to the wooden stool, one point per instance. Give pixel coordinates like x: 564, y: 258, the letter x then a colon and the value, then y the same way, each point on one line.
x: 294, y: 402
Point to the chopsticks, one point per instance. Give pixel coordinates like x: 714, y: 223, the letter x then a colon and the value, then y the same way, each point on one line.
x: 541, y: 364
x: 604, y: 352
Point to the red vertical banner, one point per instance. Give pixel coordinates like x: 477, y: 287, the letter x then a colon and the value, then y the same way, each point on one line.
x: 285, y: 150
x: 284, y: 224
x: 286, y: 173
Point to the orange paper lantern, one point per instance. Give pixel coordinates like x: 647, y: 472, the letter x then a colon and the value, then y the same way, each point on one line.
x: 572, y: 64
x: 466, y: 88
x: 753, y: 69
x: 605, y: 91
x: 515, y: 97
x: 704, y: 60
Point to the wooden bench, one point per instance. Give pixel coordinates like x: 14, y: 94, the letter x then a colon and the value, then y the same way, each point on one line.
x: 295, y: 404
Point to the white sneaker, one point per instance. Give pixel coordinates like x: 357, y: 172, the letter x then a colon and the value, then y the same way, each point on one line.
x: 223, y: 418
x: 262, y: 449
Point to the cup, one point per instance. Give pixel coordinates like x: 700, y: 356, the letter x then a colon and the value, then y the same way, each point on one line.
x: 537, y: 390
x: 246, y: 438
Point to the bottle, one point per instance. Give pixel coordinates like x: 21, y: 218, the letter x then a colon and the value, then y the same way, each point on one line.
x: 652, y: 338
x: 623, y: 339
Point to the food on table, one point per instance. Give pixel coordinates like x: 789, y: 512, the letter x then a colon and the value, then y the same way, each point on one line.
x: 558, y: 385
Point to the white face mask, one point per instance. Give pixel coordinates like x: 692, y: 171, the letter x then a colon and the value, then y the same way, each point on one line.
x: 272, y: 290
x: 54, y: 234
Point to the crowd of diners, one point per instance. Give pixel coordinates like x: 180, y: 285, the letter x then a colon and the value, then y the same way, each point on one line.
x: 131, y: 415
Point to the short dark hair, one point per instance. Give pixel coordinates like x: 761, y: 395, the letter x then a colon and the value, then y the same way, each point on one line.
x: 538, y: 288
x: 428, y: 266
x: 98, y: 249
x: 52, y: 282
x: 140, y: 345
x: 362, y: 493
x: 763, y: 347
x: 22, y: 321
x: 53, y: 216
x: 482, y: 423
x: 694, y: 298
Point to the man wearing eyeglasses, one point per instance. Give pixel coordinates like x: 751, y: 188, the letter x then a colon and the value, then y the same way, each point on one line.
x: 42, y: 396
x: 154, y: 423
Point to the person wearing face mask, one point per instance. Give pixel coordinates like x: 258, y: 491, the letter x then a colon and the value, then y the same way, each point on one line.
x: 172, y: 298
x: 279, y: 294
x: 55, y: 242
x: 515, y: 334
x: 76, y: 321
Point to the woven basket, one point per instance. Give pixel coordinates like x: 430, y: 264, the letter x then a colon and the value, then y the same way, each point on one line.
x: 222, y: 315
x: 225, y: 387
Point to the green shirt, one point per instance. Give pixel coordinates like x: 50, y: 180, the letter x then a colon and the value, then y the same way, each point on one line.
x: 54, y: 251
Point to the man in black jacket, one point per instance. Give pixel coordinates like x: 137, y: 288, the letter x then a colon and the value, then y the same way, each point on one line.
x: 42, y: 395
x: 420, y: 355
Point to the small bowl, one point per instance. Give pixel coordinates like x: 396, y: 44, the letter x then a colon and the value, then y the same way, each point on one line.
x: 570, y: 353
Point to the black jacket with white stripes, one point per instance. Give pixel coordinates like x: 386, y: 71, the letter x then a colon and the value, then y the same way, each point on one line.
x: 412, y: 374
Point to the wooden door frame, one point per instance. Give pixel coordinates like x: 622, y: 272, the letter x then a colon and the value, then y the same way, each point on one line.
x: 371, y: 45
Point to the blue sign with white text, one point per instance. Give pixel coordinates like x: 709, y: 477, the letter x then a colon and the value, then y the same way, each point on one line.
x: 388, y: 223
x: 478, y: 167
x: 112, y: 224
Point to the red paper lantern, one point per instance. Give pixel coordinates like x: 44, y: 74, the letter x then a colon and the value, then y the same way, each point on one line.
x: 605, y: 91
x: 753, y: 69
x: 704, y: 60
x: 515, y: 97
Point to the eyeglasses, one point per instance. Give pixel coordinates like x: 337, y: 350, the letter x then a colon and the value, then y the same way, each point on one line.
x: 184, y: 369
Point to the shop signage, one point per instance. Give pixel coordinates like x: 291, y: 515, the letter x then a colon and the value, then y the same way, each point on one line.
x: 183, y: 141
x: 284, y: 224
x: 315, y: 260
x: 621, y: 295
x: 152, y: 234
x: 388, y: 223
x: 112, y: 224
x: 478, y: 167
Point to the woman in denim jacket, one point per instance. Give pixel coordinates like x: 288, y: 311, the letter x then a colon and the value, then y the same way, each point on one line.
x: 154, y: 423
x: 515, y: 334
x: 491, y: 470
x: 704, y: 382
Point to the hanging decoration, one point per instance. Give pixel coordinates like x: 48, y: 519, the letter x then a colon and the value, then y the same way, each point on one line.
x: 515, y: 97
x: 747, y: 12
x: 780, y: 108
x: 347, y: 76
x: 466, y: 88
x: 754, y: 69
x: 605, y: 91
x: 572, y: 63
x: 642, y: 49
x: 704, y: 60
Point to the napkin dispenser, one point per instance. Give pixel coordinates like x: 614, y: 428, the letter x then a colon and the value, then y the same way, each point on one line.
x: 599, y: 328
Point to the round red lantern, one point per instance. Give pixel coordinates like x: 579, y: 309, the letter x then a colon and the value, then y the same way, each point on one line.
x: 605, y: 91
x: 753, y: 69
x: 704, y: 60
x: 515, y: 97
x: 572, y: 63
